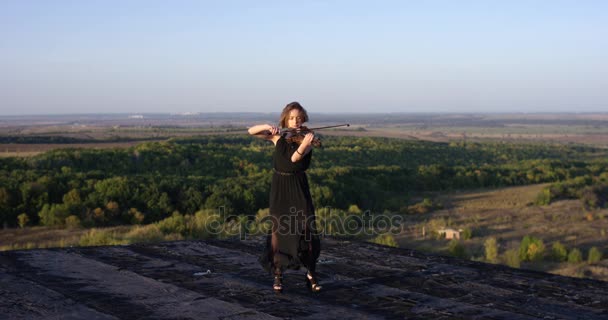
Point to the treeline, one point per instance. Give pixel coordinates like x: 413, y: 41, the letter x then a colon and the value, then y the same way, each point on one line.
x: 531, y: 250
x: 592, y: 190
x: 231, y: 174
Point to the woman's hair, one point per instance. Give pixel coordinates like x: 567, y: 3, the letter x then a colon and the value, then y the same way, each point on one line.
x: 285, y: 114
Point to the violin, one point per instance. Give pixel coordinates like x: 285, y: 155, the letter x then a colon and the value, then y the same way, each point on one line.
x: 296, y: 135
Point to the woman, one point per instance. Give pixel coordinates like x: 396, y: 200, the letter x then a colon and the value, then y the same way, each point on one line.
x: 293, y: 241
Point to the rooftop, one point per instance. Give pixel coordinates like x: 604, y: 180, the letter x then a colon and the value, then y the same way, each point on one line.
x: 222, y: 279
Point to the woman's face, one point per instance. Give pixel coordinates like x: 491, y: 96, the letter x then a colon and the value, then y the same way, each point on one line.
x: 295, y: 119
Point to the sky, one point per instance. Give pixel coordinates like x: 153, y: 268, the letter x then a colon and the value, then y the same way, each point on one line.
x: 95, y: 56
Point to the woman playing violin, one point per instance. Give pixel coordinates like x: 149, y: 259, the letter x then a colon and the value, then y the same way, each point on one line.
x: 292, y: 241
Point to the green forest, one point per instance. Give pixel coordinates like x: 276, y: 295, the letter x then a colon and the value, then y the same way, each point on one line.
x: 231, y: 174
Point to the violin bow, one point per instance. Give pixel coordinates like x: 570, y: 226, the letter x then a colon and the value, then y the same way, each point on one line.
x: 318, y: 128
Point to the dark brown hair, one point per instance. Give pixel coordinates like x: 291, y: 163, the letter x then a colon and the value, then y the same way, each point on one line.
x: 285, y: 114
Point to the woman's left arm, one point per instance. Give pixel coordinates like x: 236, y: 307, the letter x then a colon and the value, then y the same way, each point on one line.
x: 304, y: 148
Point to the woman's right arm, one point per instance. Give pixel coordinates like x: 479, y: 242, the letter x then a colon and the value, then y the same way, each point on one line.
x: 265, y: 131
x: 255, y: 130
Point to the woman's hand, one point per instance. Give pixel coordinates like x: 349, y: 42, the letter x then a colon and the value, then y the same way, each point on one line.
x: 308, y: 139
x: 274, y: 130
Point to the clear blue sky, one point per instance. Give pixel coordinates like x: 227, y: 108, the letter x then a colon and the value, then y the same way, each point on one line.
x: 332, y: 56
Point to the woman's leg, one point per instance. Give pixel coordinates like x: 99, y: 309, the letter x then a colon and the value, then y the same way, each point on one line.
x: 310, y: 261
x: 275, y: 260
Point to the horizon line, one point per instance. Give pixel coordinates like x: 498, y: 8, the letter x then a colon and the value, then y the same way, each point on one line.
x: 190, y: 114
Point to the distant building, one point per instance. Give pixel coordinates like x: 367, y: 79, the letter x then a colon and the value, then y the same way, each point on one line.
x: 450, y: 233
x: 136, y: 116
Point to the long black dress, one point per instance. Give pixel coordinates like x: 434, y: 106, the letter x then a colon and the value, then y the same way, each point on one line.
x: 292, y: 241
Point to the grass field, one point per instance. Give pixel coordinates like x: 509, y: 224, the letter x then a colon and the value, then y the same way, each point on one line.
x: 44, y: 237
x: 508, y: 215
x: 32, y: 149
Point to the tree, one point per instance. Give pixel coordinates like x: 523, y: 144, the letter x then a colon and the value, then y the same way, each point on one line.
x: 136, y: 216
x: 559, y: 252
x: 114, y: 189
x: 6, y: 210
x: 386, y: 239
x: 34, y: 196
x: 457, y: 249
x: 544, y: 197
x: 72, y: 198
x: 164, y: 204
x: 5, y: 198
x: 72, y: 222
x: 98, y: 215
x: 491, y: 250
x: 23, y: 219
x: 511, y: 258
x: 52, y: 215
x: 575, y: 256
x: 112, y: 212
x: 595, y: 255
x: 190, y: 200
x: 531, y: 249
x: 73, y: 202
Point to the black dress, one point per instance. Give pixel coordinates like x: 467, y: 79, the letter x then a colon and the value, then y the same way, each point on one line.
x: 292, y: 241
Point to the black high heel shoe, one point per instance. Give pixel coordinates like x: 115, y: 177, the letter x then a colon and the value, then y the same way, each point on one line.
x: 311, y: 283
x: 277, y: 286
